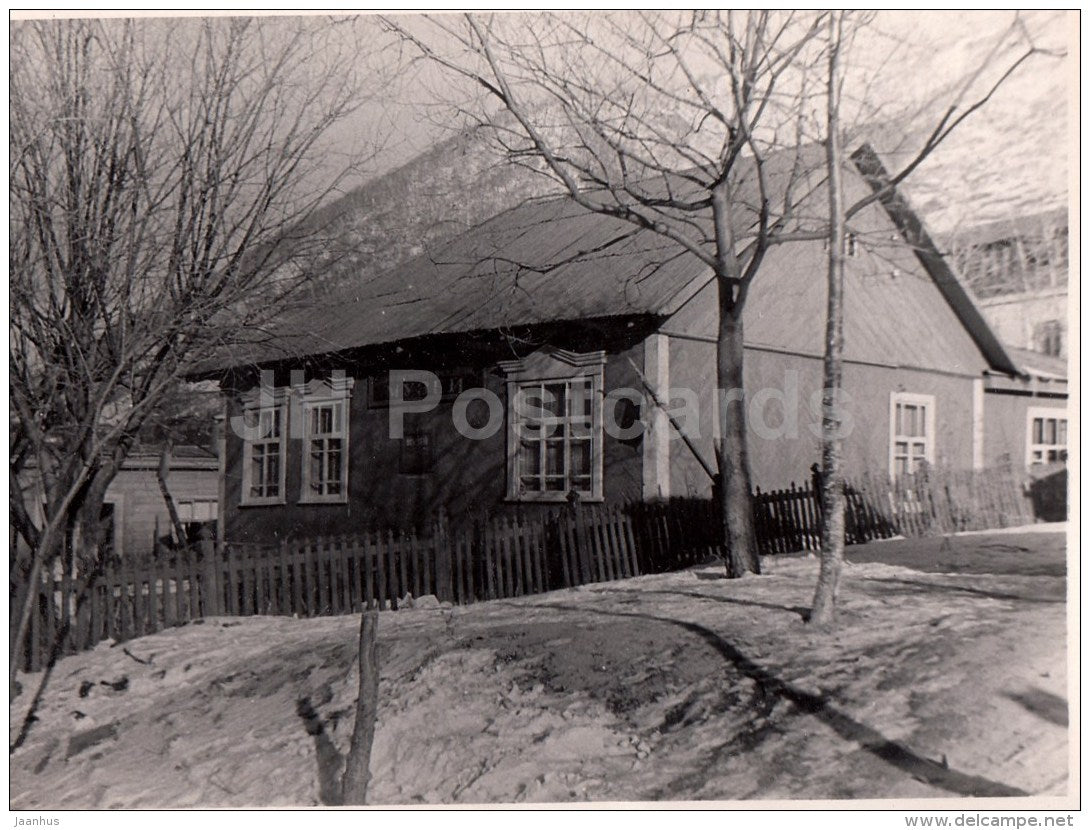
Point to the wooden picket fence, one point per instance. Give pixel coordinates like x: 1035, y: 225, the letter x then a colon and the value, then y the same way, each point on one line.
x: 489, y: 558
x: 931, y: 502
x: 484, y: 559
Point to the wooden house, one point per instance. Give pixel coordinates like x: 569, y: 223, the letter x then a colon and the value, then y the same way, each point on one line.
x: 549, y: 301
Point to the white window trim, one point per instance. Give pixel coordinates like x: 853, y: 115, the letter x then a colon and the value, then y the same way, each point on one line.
x: 311, y: 395
x: 551, y: 367
x: 251, y: 410
x: 118, y: 501
x: 1034, y: 412
x: 928, y: 402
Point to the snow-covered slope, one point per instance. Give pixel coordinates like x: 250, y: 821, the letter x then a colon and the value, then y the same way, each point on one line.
x: 680, y: 686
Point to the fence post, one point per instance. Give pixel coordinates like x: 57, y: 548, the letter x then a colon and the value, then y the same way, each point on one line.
x: 441, y: 541
x: 210, y: 551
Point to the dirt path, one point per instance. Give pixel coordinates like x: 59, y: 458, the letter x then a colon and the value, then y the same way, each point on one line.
x: 680, y: 686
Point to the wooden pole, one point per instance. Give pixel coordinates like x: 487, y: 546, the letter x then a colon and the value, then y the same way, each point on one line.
x: 357, y: 769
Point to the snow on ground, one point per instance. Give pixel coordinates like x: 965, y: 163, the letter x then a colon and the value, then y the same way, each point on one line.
x: 679, y: 686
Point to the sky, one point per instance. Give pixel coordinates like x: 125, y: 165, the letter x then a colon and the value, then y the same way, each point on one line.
x: 1010, y: 155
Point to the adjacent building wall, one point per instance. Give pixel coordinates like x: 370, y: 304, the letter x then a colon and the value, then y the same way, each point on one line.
x: 1018, y: 319
x: 139, y: 509
x: 1006, y: 425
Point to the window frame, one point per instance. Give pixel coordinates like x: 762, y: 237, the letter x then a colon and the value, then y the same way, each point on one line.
x: 425, y: 452
x: 316, y: 396
x: 911, y: 399
x: 251, y: 409
x: 543, y: 368
x: 1046, y: 413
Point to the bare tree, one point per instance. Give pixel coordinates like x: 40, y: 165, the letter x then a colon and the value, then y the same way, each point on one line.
x: 698, y: 126
x: 832, y: 489
x: 668, y: 122
x: 965, y: 98
x: 160, y: 172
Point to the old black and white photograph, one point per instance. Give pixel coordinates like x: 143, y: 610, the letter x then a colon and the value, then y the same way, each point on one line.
x: 611, y: 409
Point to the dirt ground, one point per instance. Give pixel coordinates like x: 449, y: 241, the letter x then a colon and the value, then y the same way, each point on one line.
x: 682, y: 686
x: 1042, y: 552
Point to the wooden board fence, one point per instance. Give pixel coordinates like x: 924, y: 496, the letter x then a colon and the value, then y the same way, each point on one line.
x: 931, y: 502
x: 488, y: 558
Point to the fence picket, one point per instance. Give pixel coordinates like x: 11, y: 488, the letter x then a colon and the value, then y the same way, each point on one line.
x: 178, y: 613
x: 512, y: 554
x: 381, y: 577
x: 489, y: 561
x: 458, y: 566
x: 514, y: 546
x: 601, y: 539
x: 393, y: 589
x: 345, y: 575
x: 630, y: 536
x: 193, y: 598
x: 139, y: 602
x: 586, y: 549
x: 536, y: 543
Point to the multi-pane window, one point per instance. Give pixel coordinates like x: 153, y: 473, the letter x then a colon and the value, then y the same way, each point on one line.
x: 557, y: 438
x: 1048, y: 338
x: 1047, y: 441
x: 263, y: 471
x: 912, y: 427
x: 325, y: 443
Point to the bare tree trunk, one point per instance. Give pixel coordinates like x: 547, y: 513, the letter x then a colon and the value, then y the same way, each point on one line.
x: 164, y: 488
x: 832, y: 494
x: 357, y: 769
x: 734, y: 484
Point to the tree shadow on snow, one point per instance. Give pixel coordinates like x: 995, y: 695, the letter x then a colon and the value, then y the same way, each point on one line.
x: 928, y: 587
x: 1045, y: 705
x: 866, y: 737
x: 802, y: 611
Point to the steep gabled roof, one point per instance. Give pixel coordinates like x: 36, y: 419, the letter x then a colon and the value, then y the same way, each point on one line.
x: 549, y: 260
x: 546, y: 260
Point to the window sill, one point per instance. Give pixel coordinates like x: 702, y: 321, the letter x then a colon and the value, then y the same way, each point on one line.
x: 264, y: 503
x: 321, y: 501
x: 559, y: 498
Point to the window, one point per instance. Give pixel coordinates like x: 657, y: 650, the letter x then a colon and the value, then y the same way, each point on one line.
x: 1046, y: 442
x: 198, y: 510
x: 555, y: 426
x: 325, y: 447
x: 416, y: 458
x: 1048, y: 338
x: 912, y: 432
x: 197, y: 515
x: 264, y: 449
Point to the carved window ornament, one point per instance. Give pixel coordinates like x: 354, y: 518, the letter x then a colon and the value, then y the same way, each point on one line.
x: 324, y: 411
x: 554, y: 425
x: 264, y: 432
x: 318, y: 411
